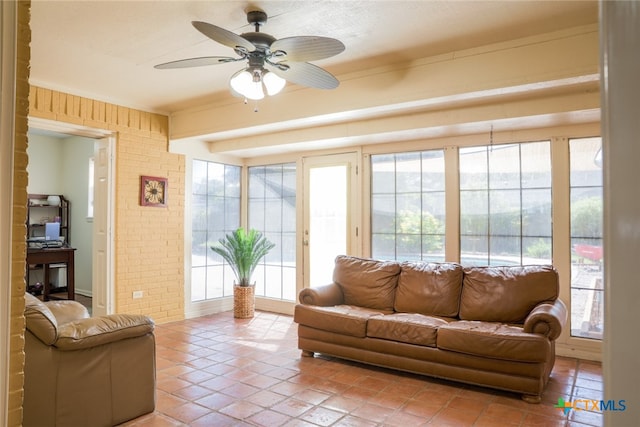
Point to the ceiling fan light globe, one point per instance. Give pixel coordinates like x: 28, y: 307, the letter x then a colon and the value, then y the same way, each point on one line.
x: 273, y: 83
x: 241, y: 81
x: 254, y: 91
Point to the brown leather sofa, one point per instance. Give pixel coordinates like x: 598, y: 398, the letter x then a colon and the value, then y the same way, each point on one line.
x: 86, y: 371
x: 488, y: 326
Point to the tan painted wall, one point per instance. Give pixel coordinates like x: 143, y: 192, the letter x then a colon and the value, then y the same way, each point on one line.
x: 149, y: 241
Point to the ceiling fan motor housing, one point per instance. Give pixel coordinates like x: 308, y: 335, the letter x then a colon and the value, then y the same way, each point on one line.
x: 257, y: 18
x: 262, y: 41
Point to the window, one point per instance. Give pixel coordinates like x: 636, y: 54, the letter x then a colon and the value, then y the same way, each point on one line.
x: 272, y: 210
x: 90, y: 188
x: 505, y: 204
x: 587, y: 291
x: 408, y: 206
x: 215, y: 211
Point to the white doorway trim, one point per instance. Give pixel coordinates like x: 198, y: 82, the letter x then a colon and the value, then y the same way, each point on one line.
x: 103, y: 294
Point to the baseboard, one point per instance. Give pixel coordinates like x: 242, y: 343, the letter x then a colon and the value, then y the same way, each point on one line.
x: 84, y: 293
x: 567, y: 350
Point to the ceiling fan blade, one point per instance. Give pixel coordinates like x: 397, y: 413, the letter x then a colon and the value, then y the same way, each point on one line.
x: 308, y: 48
x: 223, y: 36
x: 305, y: 74
x: 196, y: 62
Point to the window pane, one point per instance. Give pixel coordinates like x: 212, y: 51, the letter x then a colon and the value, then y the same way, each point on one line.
x: 536, y: 250
x: 408, y: 177
x: 272, y: 211
x: 199, y: 177
x: 289, y: 214
x: 198, y: 283
x: 232, y: 181
x: 256, y: 182
x: 273, y: 215
x: 473, y: 168
x: 215, y: 185
x: 505, y: 209
x: 199, y: 212
x: 504, y: 166
x: 587, y: 279
x: 474, y: 213
x: 408, y: 206
x: 536, y: 168
x: 433, y: 248
x: 505, y: 201
x: 536, y: 211
x: 257, y: 214
x: 199, y: 248
x: 383, y: 246
x: 215, y: 211
x: 474, y: 250
x: 383, y: 177
x: 504, y: 250
x: 383, y: 213
x: 433, y: 170
x: 408, y: 213
x: 408, y: 247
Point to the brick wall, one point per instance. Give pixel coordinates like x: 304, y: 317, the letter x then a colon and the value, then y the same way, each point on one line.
x: 149, y: 241
x: 19, y: 232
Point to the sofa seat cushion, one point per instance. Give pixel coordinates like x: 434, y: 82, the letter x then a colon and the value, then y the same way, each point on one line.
x: 405, y: 327
x: 429, y: 288
x: 366, y: 282
x: 341, y: 319
x: 506, y: 294
x: 495, y: 340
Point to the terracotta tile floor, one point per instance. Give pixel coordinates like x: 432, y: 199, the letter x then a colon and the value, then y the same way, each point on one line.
x: 219, y: 371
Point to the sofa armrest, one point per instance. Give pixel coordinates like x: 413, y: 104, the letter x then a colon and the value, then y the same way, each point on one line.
x: 95, y: 331
x: 67, y: 311
x: 547, y: 319
x: 326, y: 295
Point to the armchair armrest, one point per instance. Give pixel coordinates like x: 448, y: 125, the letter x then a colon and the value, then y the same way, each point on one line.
x: 547, y: 319
x: 326, y: 295
x: 95, y: 331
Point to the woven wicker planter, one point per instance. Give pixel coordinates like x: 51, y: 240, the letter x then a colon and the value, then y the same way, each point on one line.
x: 244, y: 301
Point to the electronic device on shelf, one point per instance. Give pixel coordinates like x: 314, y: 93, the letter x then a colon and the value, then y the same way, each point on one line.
x: 41, y: 243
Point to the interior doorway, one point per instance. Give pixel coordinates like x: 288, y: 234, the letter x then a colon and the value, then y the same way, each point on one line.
x: 98, y: 224
x: 331, y: 225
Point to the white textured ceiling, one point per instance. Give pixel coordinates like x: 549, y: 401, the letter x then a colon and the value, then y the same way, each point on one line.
x: 106, y: 50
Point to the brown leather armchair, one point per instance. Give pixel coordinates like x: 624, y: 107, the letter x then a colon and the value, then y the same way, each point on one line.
x: 86, y: 371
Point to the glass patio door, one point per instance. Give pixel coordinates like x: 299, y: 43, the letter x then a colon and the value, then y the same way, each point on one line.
x: 330, y: 226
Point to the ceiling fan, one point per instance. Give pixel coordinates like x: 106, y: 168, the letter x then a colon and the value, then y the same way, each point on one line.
x: 270, y: 62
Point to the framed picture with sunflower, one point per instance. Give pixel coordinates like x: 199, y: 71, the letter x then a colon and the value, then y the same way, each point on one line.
x: 153, y: 191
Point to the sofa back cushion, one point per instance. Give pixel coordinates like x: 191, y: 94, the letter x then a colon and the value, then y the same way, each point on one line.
x: 429, y: 288
x: 366, y: 282
x: 506, y: 294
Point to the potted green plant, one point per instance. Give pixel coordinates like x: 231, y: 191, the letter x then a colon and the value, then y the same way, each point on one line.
x: 243, y: 250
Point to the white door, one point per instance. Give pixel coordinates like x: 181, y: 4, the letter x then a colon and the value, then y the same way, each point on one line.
x: 331, y: 225
x: 102, y: 225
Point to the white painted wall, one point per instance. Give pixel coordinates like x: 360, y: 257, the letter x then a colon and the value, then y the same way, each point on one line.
x: 61, y: 166
x: 620, y: 64
x: 45, y: 165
